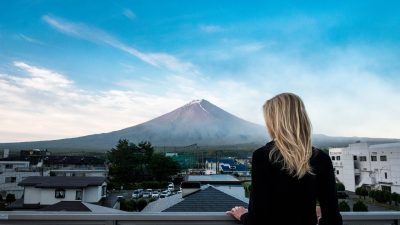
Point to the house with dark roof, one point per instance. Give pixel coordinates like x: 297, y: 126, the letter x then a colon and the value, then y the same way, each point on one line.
x: 40, y: 191
x: 196, y: 198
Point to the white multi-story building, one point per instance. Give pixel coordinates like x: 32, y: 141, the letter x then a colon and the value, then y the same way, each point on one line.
x: 371, y: 166
x: 13, y: 172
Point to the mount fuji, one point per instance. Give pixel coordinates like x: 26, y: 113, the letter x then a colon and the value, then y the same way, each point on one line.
x: 198, y: 122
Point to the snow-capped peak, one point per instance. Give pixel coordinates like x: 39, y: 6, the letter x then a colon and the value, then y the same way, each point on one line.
x: 197, y: 102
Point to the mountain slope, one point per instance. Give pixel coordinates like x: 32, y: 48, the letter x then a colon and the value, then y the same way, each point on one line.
x: 198, y: 122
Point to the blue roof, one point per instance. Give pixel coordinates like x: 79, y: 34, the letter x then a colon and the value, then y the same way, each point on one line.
x: 237, y: 167
x: 225, y: 161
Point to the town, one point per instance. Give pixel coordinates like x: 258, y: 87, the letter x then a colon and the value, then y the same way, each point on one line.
x: 36, y: 179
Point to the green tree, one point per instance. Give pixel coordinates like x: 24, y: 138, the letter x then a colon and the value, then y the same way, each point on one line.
x: 379, y: 196
x: 10, y: 198
x: 344, y: 207
x: 361, y: 191
x: 147, y: 149
x: 340, y: 187
x: 398, y: 198
x: 125, y: 163
x: 128, y: 205
x: 141, y: 204
x: 371, y: 194
x: 387, y: 197
x: 359, y: 206
x: 163, y: 167
x: 395, y: 198
x: 247, y: 188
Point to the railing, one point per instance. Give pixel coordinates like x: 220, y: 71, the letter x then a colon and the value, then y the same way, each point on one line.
x: 217, y: 218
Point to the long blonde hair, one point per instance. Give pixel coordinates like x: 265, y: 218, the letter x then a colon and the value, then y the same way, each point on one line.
x: 290, y: 128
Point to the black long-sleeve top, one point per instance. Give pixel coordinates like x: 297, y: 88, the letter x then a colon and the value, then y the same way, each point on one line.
x: 278, y: 198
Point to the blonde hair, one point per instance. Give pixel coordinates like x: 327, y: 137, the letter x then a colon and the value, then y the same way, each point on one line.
x: 290, y: 128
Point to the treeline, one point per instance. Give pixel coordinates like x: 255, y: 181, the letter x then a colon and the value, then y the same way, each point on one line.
x: 379, y: 196
x: 131, y: 164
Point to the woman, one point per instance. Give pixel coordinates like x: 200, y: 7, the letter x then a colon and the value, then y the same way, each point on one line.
x: 289, y: 176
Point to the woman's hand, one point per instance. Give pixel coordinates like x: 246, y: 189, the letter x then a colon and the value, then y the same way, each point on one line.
x: 237, y: 212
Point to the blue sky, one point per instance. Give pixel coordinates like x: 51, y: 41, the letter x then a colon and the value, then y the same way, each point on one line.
x: 70, y: 68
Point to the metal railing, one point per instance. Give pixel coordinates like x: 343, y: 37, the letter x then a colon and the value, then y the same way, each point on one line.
x: 217, y: 218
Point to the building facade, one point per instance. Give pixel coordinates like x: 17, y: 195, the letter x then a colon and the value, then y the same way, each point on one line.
x: 13, y: 172
x: 51, y: 190
x: 370, y: 166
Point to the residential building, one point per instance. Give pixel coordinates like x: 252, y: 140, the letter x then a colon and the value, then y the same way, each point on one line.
x: 196, y: 198
x: 44, y: 191
x: 13, y: 172
x: 79, y: 172
x: 371, y: 166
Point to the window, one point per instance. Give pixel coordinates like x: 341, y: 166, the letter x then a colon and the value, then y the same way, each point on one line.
x: 373, y: 158
x: 9, y: 166
x: 59, y: 193
x: 383, y: 158
x: 333, y: 158
x: 363, y: 158
x: 385, y: 175
x: 11, y: 179
x: 354, y: 157
x: 78, y: 195
x: 337, y: 172
x: 386, y: 188
x: 337, y: 157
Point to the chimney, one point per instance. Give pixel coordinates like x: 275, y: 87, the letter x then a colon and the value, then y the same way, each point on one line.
x: 189, y: 187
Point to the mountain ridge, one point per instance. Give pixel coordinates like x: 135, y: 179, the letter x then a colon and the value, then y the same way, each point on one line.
x: 197, y: 122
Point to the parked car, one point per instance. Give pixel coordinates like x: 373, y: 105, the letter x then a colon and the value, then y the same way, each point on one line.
x: 165, y: 193
x: 342, y: 195
x: 155, y: 194
x: 171, y: 187
x: 137, y: 193
x: 146, y: 194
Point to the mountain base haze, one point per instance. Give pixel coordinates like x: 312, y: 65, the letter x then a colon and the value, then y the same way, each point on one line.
x: 198, y: 122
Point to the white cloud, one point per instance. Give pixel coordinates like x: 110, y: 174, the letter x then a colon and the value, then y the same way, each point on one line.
x: 129, y: 14
x: 250, y: 47
x: 40, y: 104
x: 29, y: 39
x: 342, y: 95
x: 157, y: 59
x: 41, y: 79
x: 210, y: 28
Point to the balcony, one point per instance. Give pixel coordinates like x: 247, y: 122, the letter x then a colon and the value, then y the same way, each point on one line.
x: 217, y: 218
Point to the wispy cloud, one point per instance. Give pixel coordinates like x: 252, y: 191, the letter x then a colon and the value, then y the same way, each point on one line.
x: 29, y: 39
x: 250, y: 47
x: 129, y: 14
x: 157, y: 59
x: 210, y: 28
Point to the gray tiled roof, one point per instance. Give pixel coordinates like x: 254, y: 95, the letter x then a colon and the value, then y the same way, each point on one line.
x: 207, y: 200
x: 214, y: 179
x: 73, y: 206
x: 62, y: 182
